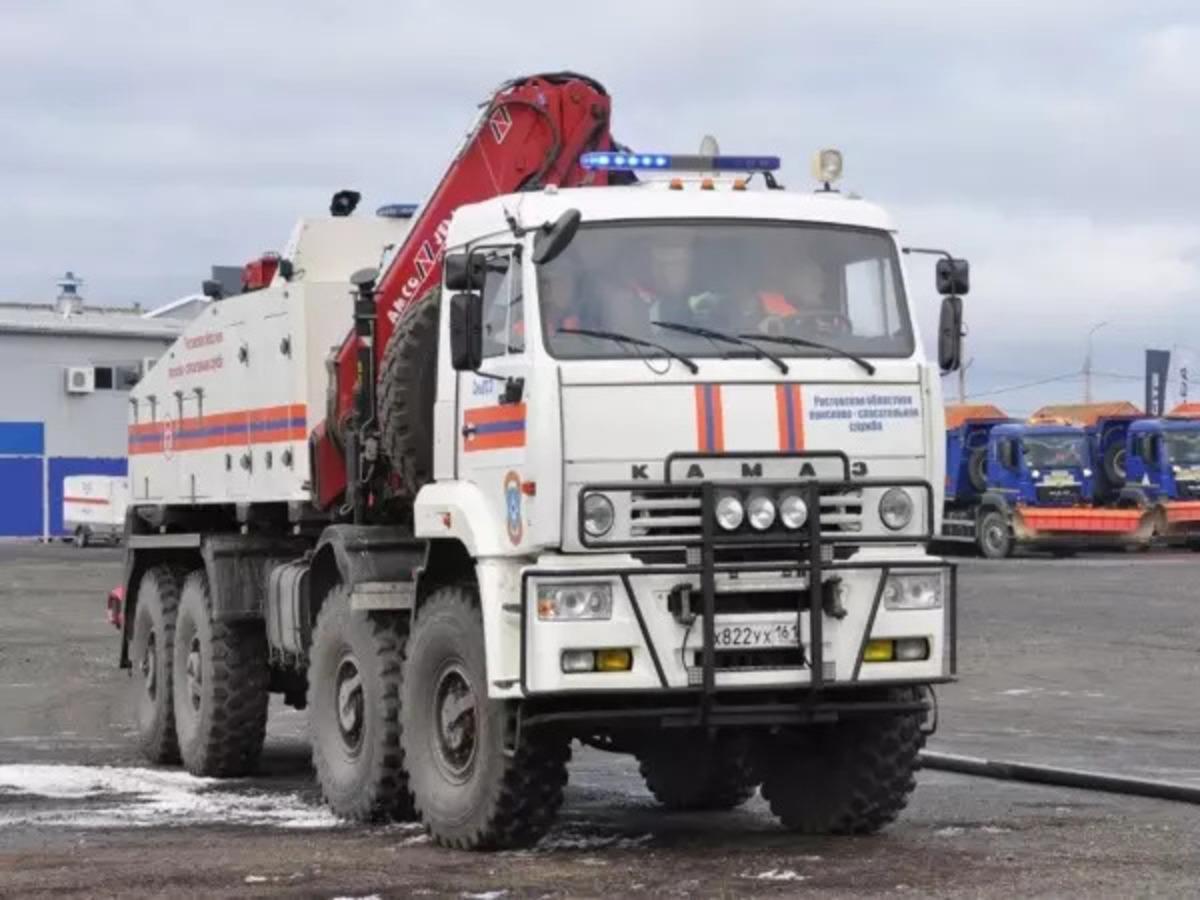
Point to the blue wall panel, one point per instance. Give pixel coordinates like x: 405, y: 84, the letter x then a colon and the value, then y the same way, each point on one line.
x: 62, y: 466
x: 21, y: 496
x: 22, y: 439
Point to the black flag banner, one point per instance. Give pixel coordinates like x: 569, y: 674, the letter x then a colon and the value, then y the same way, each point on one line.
x: 1158, y: 363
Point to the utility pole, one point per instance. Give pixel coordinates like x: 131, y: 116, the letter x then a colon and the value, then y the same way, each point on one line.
x: 1087, y: 364
x: 962, y: 381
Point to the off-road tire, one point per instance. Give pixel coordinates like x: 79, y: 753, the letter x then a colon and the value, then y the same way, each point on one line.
x: 154, y: 620
x: 691, y: 773
x: 977, y: 469
x: 849, y: 777
x: 994, y: 539
x: 407, y: 385
x: 360, y: 771
x: 500, y: 796
x: 221, y: 686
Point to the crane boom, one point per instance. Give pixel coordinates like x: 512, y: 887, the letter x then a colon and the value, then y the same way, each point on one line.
x: 530, y: 133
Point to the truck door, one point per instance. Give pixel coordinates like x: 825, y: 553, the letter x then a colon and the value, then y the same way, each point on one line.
x: 493, y: 404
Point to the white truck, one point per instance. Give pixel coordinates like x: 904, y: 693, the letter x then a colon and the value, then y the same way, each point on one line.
x: 94, y: 507
x: 653, y: 467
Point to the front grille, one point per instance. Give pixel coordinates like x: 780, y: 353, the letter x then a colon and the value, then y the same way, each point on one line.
x: 666, y: 517
x: 1060, y: 495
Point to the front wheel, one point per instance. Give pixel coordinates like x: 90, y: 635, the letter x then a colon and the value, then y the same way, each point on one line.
x: 849, y: 777
x: 354, y: 711
x: 83, y: 536
x: 476, y: 783
x: 995, y: 538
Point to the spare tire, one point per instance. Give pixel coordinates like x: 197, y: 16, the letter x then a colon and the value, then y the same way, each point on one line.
x: 407, y: 387
x: 1114, y: 465
x: 977, y: 469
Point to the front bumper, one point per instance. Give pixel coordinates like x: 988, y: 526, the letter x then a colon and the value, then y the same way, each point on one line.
x: 669, y: 616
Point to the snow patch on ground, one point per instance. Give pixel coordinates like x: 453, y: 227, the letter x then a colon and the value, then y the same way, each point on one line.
x: 485, y: 895
x: 111, y: 797
x: 776, y: 875
x: 577, y: 840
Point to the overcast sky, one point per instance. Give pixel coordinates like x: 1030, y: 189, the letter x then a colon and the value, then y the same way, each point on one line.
x: 1054, y: 144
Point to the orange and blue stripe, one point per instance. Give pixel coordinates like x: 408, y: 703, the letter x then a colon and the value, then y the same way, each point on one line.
x: 264, y: 425
x: 710, y: 419
x: 494, y: 427
x: 789, y: 411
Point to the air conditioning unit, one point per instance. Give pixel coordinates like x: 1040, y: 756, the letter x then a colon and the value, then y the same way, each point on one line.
x: 81, y: 379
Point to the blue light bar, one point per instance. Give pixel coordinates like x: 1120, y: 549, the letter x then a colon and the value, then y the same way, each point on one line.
x: 397, y: 210
x: 602, y: 160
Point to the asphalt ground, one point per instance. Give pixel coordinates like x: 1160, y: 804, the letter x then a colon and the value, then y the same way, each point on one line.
x: 1091, y: 662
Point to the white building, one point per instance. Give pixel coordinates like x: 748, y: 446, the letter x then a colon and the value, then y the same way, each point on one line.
x: 67, y: 369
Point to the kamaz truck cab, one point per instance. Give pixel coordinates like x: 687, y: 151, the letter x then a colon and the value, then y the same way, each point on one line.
x: 1163, y: 468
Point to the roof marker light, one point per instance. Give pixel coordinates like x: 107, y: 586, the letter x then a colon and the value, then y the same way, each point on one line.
x: 598, y: 160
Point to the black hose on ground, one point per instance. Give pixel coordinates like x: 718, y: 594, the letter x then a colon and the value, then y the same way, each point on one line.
x: 1057, y: 777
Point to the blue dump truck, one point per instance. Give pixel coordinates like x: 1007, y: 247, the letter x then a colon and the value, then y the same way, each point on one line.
x: 1163, y: 473
x: 1011, y: 483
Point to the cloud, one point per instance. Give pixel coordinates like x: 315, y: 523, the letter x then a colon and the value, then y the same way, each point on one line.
x: 1052, y: 144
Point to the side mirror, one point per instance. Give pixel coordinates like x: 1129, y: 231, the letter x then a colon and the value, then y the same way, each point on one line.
x: 287, y: 269
x: 950, y: 334
x: 212, y: 290
x: 554, y: 240
x: 466, y: 332
x: 464, y: 273
x: 953, y: 277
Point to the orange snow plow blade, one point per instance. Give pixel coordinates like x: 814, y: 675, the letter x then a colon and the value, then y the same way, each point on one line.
x: 1182, y: 511
x: 1079, y: 520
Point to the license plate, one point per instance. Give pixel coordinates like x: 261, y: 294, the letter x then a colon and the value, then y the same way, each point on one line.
x: 750, y: 637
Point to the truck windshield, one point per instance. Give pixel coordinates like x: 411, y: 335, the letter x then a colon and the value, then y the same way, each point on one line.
x: 836, y: 286
x: 1055, y: 451
x: 1183, y: 447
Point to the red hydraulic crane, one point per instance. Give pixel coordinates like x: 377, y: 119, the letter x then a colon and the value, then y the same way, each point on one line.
x: 530, y: 134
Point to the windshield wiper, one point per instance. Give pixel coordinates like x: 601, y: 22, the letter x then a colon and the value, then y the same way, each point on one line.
x: 816, y: 345
x: 635, y: 341
x: 740, y: 340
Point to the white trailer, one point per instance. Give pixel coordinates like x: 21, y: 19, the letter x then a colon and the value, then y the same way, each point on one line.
x: 680, y: 455
x: 94, y: 507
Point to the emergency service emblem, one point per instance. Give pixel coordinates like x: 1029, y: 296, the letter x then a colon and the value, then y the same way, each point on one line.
x: 512, y: 507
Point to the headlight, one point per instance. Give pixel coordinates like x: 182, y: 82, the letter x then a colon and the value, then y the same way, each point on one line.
x: 730, y: 512
x: 597, y: 515
x: 574, y: 602
x: 895, y: 508
x: 793, y: 511
x: 913, y: 590
x: 760, y: 510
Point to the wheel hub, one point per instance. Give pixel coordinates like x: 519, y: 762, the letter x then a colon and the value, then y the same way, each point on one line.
x: 349, y: 699
x: 457, y: 727
x: 195, y: 674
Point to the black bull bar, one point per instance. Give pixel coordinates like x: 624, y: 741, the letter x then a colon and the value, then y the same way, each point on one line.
x: 701, y: 705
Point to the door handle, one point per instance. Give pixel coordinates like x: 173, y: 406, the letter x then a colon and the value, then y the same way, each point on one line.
x: 469, y: 430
